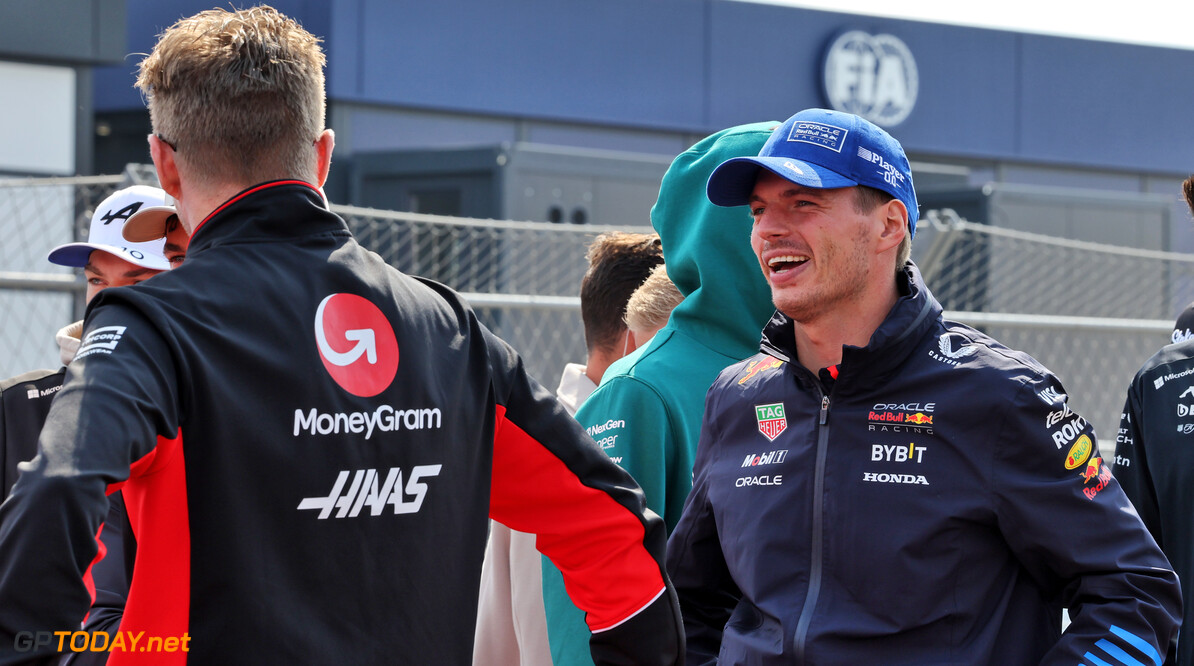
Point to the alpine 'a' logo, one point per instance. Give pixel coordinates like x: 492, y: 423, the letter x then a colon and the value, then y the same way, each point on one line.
x: 356, y: 344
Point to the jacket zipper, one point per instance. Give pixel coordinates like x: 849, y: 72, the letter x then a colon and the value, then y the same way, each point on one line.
x: 814, y: 577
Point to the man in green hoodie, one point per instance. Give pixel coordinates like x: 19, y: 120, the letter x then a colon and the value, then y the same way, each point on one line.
x: 647, y: 411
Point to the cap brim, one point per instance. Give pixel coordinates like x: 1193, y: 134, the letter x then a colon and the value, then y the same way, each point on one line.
x: 78, y: 254
x: 732, y: 182
x: 147, y: 224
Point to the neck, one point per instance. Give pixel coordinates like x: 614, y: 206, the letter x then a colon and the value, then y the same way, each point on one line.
x: 819, y: 340
x: 198, y: 203
x: 598, y: 362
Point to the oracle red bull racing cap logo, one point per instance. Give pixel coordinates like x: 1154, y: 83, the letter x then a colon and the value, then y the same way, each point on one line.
x: 356, y: 344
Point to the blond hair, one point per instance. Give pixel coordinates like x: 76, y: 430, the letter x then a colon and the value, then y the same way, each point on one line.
x: 238, y: 94
x: 651, y: 304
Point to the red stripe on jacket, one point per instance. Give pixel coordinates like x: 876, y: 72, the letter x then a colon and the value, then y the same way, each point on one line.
x: 595, y: 542
x: 160, y: 594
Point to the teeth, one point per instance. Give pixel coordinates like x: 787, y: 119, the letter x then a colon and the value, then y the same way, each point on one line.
x: 787, y: 259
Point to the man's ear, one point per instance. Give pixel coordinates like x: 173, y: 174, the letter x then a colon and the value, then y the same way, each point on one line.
x: 167, y: 168
x: 895, y: 225
x: 323, y: 154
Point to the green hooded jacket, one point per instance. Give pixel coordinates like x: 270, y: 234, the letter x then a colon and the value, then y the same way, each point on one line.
x: 647, y: 411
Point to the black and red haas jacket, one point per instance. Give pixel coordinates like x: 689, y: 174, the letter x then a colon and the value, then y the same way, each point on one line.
x: 309, y: 444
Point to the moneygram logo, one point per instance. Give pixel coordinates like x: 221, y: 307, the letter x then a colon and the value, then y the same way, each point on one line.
x: 356, y: 344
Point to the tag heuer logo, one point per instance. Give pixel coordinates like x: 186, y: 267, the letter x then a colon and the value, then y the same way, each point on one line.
x: 771, y: 420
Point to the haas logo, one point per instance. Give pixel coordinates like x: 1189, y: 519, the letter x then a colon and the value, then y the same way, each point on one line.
x: 356, y: 344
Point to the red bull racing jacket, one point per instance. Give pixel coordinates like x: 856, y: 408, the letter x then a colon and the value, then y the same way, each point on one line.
x: 939, y: 502
x: 320, y: 501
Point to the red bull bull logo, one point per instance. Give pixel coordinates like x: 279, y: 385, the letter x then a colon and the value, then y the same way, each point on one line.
x: 1093, y: 472
x: 755, y: 367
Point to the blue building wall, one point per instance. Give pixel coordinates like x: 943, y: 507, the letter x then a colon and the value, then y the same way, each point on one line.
x: 689, y: 67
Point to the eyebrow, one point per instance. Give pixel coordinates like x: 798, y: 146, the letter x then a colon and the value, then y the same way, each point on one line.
x: 793, y: 192
x: 173, y: 247
x: 136, y: 272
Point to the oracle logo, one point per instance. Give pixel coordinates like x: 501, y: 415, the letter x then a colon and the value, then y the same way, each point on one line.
x: 356, y: 344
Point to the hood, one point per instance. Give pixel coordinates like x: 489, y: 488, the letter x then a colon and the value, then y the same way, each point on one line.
x: 68, y: 341
x: 707, y: 248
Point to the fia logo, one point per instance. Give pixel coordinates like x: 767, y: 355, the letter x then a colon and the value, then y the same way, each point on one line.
x: 356, y: 344
x: 873, y: 76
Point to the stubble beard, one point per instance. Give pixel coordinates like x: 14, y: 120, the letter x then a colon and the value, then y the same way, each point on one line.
x: 805, y: 305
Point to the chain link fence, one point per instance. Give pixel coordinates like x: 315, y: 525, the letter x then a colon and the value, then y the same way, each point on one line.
x: 38, y: 297
x: 1091, y: 313
x: 523, y: 278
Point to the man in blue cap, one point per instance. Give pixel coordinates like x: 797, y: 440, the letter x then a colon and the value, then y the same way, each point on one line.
x: 879, y: 485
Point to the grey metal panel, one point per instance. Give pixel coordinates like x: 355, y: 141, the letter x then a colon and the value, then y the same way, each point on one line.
x: 516, y: 181
x: 64, y: 31
x: 377, y: 129
x: 625, y: 203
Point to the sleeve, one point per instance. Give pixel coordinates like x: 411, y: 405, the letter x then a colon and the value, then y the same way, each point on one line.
x: 629, y: 421
x: 118, y: 396
x: 1069, y: 523
x: 1132, y: 466
x: 589, y: 517
x: 6, y: 475
x: 111, y: 577
x: 695, y: 562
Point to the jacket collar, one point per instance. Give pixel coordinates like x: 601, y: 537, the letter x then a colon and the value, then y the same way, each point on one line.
x: 913, y: 316
x: 280, y: 208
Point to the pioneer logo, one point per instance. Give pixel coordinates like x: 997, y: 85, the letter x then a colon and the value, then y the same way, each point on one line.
x: 365, y: 491
x: 383, y: 419
x: 356, y: 344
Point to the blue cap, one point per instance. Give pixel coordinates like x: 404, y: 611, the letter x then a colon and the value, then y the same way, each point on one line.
x: 822, y: 149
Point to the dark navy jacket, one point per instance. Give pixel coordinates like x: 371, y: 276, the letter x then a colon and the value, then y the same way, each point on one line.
x: 939, y: 503
x: 1154, y: 459
x: 310, y: 445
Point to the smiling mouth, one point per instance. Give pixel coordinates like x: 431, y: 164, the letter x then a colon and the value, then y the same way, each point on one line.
x: 786, y: 262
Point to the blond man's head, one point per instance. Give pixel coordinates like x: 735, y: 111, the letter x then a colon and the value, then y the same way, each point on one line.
x: 238, y: 95
x: 651, y: 304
